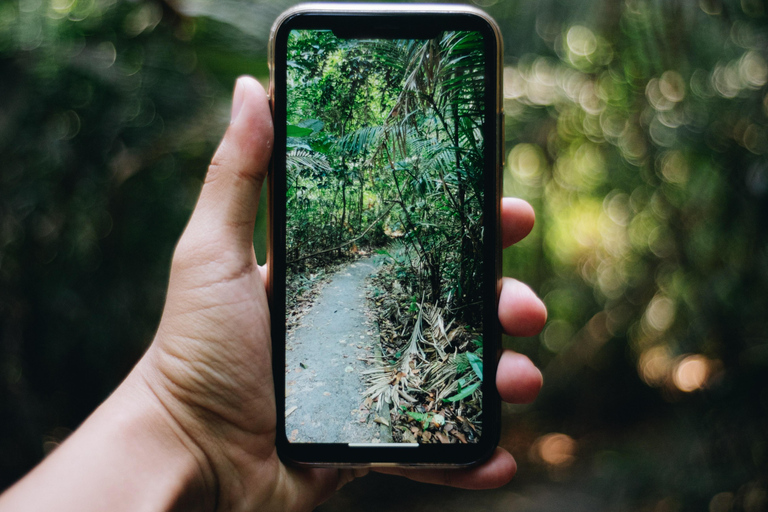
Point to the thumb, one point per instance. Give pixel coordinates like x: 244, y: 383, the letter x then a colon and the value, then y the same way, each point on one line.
x: 229, y: 199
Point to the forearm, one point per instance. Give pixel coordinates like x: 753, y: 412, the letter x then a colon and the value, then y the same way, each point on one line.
x: 127, y: 455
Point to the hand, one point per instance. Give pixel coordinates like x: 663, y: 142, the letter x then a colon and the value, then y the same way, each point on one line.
x: 193, y: 425
x: 210, y: 363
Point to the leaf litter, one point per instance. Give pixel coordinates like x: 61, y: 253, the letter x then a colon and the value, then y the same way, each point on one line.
x: 430, y: 372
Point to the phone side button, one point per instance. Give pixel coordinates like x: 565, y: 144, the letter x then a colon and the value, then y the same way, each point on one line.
x: 502, y: 138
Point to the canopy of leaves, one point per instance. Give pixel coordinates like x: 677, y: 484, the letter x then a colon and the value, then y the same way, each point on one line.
x: 384, y: 142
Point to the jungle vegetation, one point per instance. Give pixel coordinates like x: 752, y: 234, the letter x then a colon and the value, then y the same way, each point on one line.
x: 385, y: 142
x: 385, y: 150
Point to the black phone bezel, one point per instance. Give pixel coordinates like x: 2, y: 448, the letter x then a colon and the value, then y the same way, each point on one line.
x: 406, y: 25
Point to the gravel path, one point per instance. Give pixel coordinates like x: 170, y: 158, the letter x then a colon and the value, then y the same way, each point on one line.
x: 324, y: 381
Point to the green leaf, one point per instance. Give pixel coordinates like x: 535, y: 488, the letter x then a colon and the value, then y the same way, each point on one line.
x: 463, y: 394
x: 297, y: 131
x: 477, y: 364
x: 421, y: 417
x: 313, y: 124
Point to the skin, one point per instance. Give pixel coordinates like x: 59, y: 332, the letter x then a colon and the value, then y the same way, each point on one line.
x: 193, y: 425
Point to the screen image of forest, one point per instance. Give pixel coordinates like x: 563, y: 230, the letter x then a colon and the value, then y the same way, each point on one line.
x: 384, y: 238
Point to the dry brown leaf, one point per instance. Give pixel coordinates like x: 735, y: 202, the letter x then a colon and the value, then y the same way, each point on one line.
x: 459, y: 435
x: 443, y: 438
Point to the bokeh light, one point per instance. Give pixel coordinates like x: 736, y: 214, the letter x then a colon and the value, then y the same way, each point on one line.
x: 691, y: 373
x: 554, y: 449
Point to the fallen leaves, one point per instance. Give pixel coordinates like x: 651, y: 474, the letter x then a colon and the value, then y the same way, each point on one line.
x: 460, y: 436
x: 432, y: 369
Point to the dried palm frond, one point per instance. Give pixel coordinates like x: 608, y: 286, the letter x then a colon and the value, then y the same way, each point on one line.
x: 414, y: 349
x: 443, y: 376
x: 387, y: 385
x: 391, y: 383
x: 379, y: 385
x: 438, y: 336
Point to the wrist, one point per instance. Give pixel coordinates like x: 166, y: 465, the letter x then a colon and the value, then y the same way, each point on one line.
x: 146, y: 423
x: 128, y: 455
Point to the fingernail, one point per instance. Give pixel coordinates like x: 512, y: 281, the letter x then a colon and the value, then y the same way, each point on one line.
x: 237, y: 101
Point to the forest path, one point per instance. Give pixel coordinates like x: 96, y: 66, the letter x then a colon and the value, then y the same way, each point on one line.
x: 324, y: 381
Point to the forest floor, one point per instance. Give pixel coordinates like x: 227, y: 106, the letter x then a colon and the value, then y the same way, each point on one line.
x: 332, y: 344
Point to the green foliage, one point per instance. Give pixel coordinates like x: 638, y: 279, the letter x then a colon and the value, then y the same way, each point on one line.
x: 109, y: 114
x: 639, y: 136
x: 476, y: 361
x: 464, y: 392
x: 426, y: 418
x: 398, y: 123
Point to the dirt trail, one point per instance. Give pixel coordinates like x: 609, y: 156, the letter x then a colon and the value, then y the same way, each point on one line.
x: 324, y: 381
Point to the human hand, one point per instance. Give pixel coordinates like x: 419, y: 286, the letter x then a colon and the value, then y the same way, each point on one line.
x: 210, y: 363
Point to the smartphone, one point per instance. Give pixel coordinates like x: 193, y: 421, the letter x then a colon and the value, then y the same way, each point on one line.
x: 384, y: 246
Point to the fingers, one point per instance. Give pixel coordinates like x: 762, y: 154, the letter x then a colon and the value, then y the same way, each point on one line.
x: 521, y: 312
x: 230, y: 197
x: 495, y: 472
x: 517, y: 219
x: 517, y: 379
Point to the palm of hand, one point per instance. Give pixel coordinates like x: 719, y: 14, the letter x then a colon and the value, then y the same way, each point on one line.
x: 213, y: 353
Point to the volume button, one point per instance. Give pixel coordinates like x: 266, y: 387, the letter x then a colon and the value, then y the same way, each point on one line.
x: 502, y: 138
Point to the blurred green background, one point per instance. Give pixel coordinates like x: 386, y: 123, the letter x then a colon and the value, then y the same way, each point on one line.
x: 638, y: 129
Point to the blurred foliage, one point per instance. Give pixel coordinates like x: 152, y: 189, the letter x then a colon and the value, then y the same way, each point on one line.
x: 110, y: 112
x: 639, y: 135
x: 638, y: 129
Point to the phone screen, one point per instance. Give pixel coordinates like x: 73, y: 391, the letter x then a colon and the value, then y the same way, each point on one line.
x: 388, y: 273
